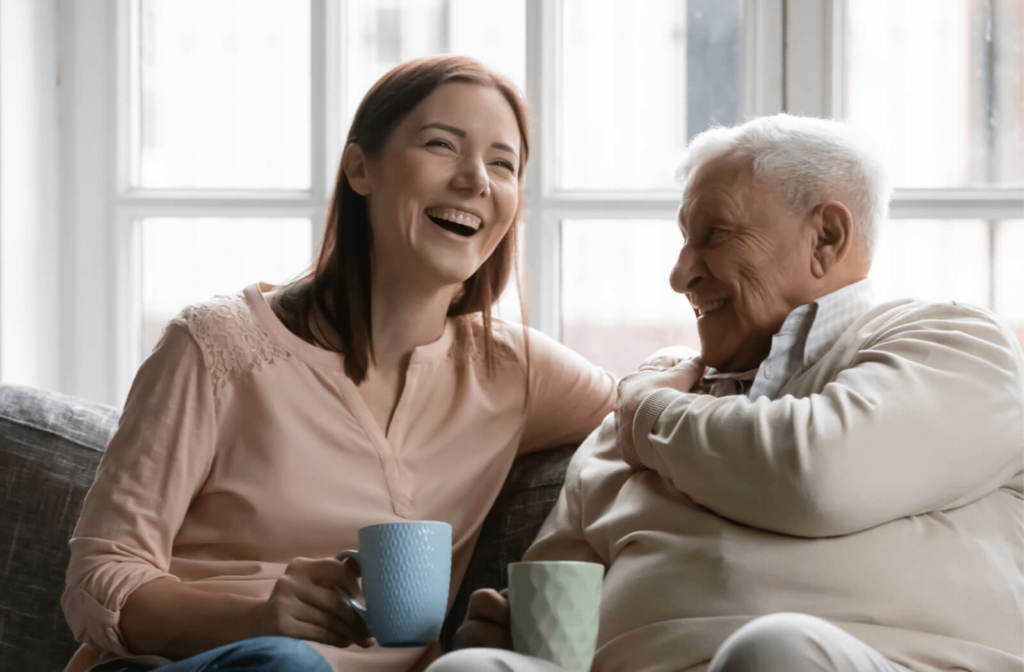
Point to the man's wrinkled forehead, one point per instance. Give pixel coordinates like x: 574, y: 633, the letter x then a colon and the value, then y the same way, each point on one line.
x: 721, y: 177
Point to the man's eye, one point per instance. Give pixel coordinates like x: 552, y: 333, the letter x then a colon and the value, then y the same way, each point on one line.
x: 438, y: 142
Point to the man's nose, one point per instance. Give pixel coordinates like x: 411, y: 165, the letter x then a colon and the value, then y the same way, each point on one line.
x: 471, y: 176
x: 688, y: 272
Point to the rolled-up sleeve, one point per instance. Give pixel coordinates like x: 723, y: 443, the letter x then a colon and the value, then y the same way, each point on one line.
x: 155, y: 464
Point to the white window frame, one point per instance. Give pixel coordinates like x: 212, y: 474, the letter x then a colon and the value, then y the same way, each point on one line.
x: 99, y: 299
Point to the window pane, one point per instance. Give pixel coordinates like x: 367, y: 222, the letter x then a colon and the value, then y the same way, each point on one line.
x: 1010, y: 274
x: 223, y: 94
x: 937, y: 85
x: 617, y: 306
x: 933, y: 260
x: 189, y: 260
x: 383, y: 33
x: 637, y: 80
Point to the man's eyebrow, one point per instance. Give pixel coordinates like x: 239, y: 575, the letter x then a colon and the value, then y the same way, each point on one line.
x: 462, y: 134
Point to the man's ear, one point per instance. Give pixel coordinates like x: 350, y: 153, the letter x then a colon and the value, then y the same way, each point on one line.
x: 353, y: 162
x: 834, y: 235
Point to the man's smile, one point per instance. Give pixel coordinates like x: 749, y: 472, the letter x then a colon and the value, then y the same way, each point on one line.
x: 710, y: 306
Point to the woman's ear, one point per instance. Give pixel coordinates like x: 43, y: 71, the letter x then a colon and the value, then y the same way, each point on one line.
x: 353, y: 162
x: 834, y: 232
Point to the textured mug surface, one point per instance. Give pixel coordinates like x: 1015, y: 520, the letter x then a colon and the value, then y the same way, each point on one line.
x: 406, y: 568
x: 555, y: 608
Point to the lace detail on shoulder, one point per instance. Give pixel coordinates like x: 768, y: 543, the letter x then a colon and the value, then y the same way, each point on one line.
x: 468, y: 344
x: 229, y: 338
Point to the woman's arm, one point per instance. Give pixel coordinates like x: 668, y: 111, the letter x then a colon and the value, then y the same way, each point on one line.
x: 120, y: 595
x: 177, y: 621
x: 569, y: 396
x: 151, y: 471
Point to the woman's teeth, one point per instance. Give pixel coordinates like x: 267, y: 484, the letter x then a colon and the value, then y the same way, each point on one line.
x: 454, y: 216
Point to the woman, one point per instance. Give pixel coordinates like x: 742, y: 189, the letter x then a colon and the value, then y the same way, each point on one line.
x: 268, y: 427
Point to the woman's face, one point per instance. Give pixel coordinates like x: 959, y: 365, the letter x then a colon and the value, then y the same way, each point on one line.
x: 444, y: 188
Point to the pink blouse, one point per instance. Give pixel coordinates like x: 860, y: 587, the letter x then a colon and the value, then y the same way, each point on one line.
x: 242, y: 447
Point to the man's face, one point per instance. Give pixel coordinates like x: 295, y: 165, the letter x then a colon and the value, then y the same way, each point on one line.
x: 745, y: 262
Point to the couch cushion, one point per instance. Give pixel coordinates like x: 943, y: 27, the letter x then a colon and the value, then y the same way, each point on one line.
x: 50, y: 445
x: 529, y: 493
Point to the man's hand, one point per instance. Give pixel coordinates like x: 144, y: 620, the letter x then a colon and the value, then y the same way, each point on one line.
x: 487, y: 622
x: 634, y: 388
x: 669, y: 356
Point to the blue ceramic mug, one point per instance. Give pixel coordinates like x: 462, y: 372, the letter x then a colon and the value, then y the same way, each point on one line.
x: 406, y: 568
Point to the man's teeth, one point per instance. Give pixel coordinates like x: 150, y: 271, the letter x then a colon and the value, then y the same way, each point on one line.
x: 708, y: 307
x: 457, y: 216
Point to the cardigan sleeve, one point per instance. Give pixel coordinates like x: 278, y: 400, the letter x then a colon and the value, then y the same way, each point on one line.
x: 154, y: 466
x: 569, y: 396
x: 928, y: 417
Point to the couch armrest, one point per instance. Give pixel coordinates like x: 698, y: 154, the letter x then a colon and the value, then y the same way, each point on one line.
x: 529, y: 493
x: 50, y: 445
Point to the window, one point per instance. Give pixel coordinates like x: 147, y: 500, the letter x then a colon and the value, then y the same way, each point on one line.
x: 224, y: 121
x: 938, y: 86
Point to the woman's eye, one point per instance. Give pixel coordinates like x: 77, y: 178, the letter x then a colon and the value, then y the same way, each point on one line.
x: 507, y: 165
x: 438, y: 142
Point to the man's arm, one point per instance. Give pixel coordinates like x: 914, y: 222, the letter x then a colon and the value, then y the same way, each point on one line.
x: 929, y: 417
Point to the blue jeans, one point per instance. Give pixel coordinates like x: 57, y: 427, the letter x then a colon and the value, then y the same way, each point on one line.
x: 260, y: 654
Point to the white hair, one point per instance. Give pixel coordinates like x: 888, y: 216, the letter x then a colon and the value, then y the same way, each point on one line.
x: 805, y: 158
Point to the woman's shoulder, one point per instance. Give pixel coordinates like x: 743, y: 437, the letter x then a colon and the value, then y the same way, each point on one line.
x: 228, y: 335
x: 508, y: 340
x: 512, y: 342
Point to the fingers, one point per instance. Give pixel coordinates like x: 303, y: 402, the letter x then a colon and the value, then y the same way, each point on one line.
x: 488, y: 604
x: 487, y: 621
x: 350, y: 629
x: 482, y: 634
x: 314, y: 584
x: 326, y: 607
x: 667, y: 357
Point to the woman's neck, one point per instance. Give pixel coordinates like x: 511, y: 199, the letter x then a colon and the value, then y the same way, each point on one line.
x: 404, y: 317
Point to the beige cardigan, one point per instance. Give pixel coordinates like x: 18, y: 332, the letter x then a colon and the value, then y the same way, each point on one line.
x: 882, y: 491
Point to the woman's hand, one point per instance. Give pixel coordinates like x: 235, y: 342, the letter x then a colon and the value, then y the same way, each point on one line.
x: 487, y: 622
x: 305, y: 604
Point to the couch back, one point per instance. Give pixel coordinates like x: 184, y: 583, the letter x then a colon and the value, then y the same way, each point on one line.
x: 50, y: 445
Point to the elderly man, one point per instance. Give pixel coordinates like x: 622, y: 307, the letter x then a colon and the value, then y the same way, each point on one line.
x: 834, y: 484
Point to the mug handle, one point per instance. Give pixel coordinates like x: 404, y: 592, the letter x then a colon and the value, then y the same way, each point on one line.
x: 344, y: 594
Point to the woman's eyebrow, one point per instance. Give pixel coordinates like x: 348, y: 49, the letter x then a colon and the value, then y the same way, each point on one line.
x: 462, y: 134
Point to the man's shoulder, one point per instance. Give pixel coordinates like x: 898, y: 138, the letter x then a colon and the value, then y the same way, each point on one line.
x: 901, y: 314
x: 915, y: 329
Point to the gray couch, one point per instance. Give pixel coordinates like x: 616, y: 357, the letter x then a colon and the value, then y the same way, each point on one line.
x: 50, y: 445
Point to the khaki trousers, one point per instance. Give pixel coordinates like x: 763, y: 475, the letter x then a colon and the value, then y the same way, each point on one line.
x: 775, y: 643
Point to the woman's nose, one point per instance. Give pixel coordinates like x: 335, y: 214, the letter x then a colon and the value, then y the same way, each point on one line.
x: 471, y: 176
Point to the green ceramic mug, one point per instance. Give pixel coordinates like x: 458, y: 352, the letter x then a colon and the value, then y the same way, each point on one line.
x: 555, y: 608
